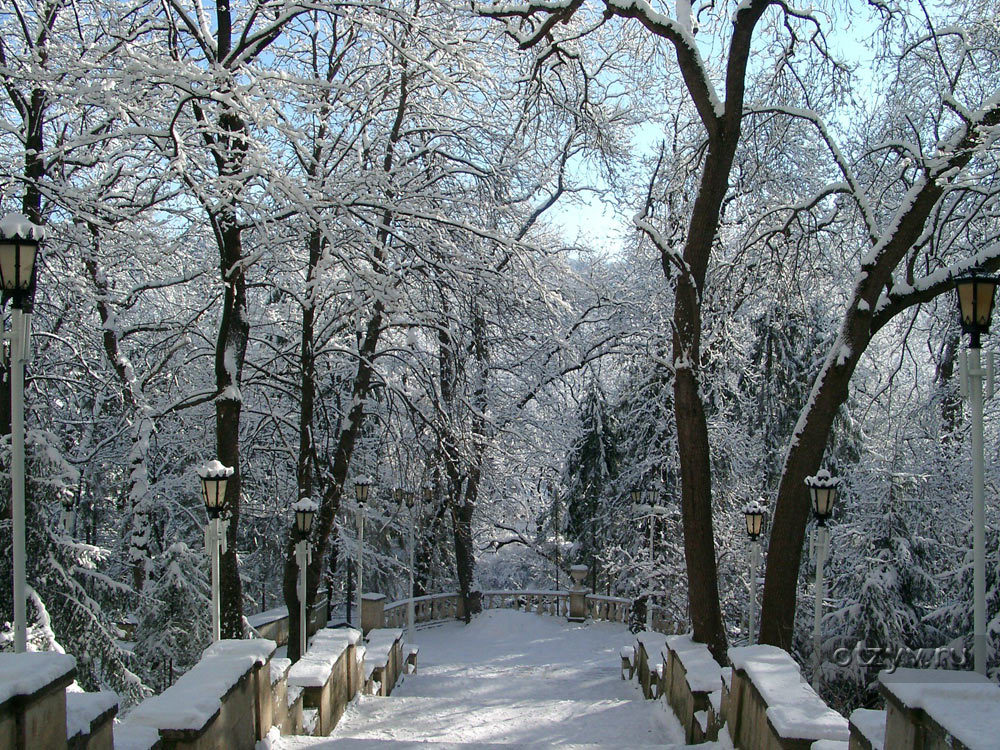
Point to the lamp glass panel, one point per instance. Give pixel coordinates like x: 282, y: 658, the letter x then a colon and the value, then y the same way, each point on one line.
x: 636, y: 496
x: 966, y: 300
x: 26, y: 261
x: 304, y: 519
x: 984, y: 301
x: 214, y: 491
x: 823, y: 500
x: 8, y: 251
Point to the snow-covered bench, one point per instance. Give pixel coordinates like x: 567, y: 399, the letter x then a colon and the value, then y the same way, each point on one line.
x: 936, y: 708
x: 771, y: 706
x: 693, y: 677
x: 383, y: 659
x: 222, y: 701
x: 326, y: 675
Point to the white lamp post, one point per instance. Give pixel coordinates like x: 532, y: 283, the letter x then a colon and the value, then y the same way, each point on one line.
x: 823, y: 493
x: 753, y: 515
x: 362, y: 485
x: 413, y: 506
x: 214, y: 478
x: 650, y: 511
x: 975, y: 305
x: 19, y: 243
x: 305, y: 509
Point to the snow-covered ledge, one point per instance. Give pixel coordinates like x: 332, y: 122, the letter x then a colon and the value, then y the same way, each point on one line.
x: 222, y: 701
x: 384, y: 658
x: 693, y: 678
x: 327, y: 676
x: 937, y: 708
x: 771, y: 706
x: 33, y: 699
x: 649, y: 656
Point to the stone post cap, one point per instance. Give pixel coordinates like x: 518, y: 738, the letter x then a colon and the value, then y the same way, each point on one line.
x: 31, y: 673
x: 373, y: 596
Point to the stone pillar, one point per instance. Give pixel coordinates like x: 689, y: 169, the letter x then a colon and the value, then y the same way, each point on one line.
x: 578, y: 594
x: 34, y: 716
x: 372, y: 612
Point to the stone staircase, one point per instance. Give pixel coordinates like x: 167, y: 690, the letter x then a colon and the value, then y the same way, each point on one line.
x: 509, y: 678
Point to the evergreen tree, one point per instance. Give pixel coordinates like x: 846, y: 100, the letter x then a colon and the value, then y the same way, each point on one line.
x: 174, y: 626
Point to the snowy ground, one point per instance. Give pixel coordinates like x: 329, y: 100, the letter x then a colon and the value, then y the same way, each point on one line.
x: 509, y: 678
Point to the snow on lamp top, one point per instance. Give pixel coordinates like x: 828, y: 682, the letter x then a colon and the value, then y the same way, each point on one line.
x: 16, y: 225
x: 19, y: 238
x: 304, y: 510
x: 214, y: 478
x: 305, y: 505
x: 214, y: 469
x: 753, y: 513
x: 823, y: 492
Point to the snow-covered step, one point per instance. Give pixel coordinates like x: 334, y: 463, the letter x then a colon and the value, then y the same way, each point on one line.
x: 350, y: 743
x: 508, y: 678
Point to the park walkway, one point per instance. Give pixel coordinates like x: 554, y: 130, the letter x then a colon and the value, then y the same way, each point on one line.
x: 510, y: 678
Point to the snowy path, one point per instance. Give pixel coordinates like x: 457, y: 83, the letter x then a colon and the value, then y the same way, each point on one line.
x: 509, y: 678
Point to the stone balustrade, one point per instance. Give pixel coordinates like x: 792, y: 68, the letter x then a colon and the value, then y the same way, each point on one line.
x: 225, y: 700
x: 383, y: 660
x: 692, y: 687
x: 765, y: 703
x: 936, y: 709
x: 33, y: 699
x: 272, y: 624
x: 327, y: 676
x: 238, y: 691
x: 770, y: 706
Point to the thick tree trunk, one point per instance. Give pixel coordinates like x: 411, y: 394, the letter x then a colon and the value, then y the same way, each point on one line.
x: 304, y: 472
x: 326, y: 517
x: 465, y: 560
x: 860, y: 324
x: 230, y: 353
x: 689, y: 411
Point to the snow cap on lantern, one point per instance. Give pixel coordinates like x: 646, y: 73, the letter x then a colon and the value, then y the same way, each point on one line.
x: 823, y: 492
x: 19, y: 241
x: 304, y: 509
x: 214, y: 478
x: 753, y: 514
x: 362, y: 485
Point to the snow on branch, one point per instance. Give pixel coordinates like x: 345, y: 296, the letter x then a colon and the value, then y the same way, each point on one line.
x: 855, y: 190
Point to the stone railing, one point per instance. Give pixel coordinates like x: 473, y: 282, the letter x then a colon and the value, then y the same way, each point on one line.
x: 324, y: 681
x: 235, y: 696
x: 762, y: 700
x: 554, y: 603
x: 272, y: 624
x: 449, y: 605
x: 37, y: 711
x: 933, y: 708
x: 429, y: 608
x: 770, y: 705
x: 608, y: 608
x: 225, y: 700
x: 765, y: 704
